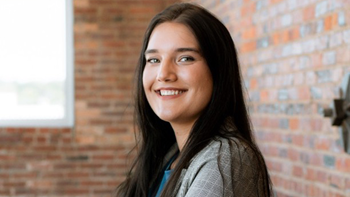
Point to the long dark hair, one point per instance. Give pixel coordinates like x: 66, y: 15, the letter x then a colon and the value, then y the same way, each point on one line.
x: 226, y: 105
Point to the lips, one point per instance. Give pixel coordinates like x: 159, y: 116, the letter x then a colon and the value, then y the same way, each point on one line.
x: 169, y: 92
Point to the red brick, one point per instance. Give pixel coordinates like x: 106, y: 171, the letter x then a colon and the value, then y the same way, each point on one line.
x: 91, y: 183
x: 81, y: 3
x: 7, y: 158
x: 285, y: 36
x: 276, y: 38
x: 347, y: 182
x: 85, y: 11
x: 310, y: 174
x: 294, y: 124
x: 337, y: 181
x: 276, y: 166
x: 298, y: 171
x: 115, y: 130
x: 85, y: 139
x: 330, y: 21
x: 4, y: 176
x: 4, y: 191
x: 316, y: 159
x: 41, y: 184
x: 9, y: 184
x: 245, y: 22
x: 316, y: 124
x: 76, y: 191
x: 310, y: 191
x: 114, y: 44
x: 65, y: 166
x: 298, y: 139
x: 41, y: 139
x: 309, y: 13
x: 248, y: 9
x: 103, y: 157
x: 264, y: 95
x: 52, y: 175
x: 25, y: 175
x: 322, y: 177
x: 27, y: 139
x: 75, y: 175
x: 45, y: 148
x: 293, y: 154
x: 304, y: 93
x: 91, y: 166
x: 275, y: 1
x: 294, y: 33
x: 249, y: 33
x: 142, y: 10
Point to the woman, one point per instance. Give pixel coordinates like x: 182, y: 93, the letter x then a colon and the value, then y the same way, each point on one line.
x: 196, y: 138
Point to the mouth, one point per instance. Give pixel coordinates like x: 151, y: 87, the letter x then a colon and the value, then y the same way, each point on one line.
x: 170, y: 92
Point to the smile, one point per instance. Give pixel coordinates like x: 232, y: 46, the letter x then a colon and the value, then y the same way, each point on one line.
x: 170, y: 92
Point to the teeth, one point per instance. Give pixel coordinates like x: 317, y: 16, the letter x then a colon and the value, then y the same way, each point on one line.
x: 170, y: 92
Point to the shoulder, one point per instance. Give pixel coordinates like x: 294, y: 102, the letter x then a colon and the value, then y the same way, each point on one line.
x: 222, y: 168
x: 226, y: 150
x: 232, y: 159
x: 226, y: 156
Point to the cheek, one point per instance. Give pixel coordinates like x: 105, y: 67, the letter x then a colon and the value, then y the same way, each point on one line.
x: 202, y: 79
x: 205, y: 81
x: 146, y: 79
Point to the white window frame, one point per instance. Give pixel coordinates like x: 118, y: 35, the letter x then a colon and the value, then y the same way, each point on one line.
x: 68, y: 119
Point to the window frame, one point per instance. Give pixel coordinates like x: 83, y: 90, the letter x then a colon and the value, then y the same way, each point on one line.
x: 69, y: 118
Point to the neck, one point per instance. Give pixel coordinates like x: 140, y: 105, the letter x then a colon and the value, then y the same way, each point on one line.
x: 181, y: 134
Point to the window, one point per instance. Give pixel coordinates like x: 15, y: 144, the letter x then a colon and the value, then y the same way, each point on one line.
x: 36, y: 63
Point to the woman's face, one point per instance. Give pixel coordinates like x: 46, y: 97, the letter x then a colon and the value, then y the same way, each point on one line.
x: 176, y: 79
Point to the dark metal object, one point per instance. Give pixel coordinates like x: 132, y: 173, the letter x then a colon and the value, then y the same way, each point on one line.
x: 339, y: 112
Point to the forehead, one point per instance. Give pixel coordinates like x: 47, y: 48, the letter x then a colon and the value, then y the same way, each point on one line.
x: 171, y: 35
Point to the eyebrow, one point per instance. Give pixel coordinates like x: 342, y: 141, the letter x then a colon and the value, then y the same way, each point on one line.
x: 148, y: 51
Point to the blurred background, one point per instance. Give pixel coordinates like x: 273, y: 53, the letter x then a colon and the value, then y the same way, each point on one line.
x: 294, y: 56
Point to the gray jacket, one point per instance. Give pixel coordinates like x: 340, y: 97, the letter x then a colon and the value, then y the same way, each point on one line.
x: 224, y: 168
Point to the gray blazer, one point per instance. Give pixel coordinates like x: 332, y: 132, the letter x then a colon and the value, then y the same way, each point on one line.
x: 224, y: 168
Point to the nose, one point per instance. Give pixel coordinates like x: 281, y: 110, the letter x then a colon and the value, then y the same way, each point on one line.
x: 166, y: 72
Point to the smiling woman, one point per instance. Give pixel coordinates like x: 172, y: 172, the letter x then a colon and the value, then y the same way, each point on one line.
x: 196, y: 138
x: 176, y: 79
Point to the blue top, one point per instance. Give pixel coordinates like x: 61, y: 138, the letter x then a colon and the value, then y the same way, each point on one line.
x: 166, y: 175
x: 165, y: 179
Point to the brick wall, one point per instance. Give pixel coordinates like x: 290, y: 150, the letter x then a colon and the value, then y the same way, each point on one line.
x: 294, y: 54
x: 91, y: 158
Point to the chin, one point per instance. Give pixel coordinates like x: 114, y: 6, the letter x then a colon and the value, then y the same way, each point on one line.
x: 166, y: 119
x: 166, y: 116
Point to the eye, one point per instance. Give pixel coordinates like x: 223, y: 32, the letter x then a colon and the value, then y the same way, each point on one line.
x: 153, y: 60
x: 186, y: 59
